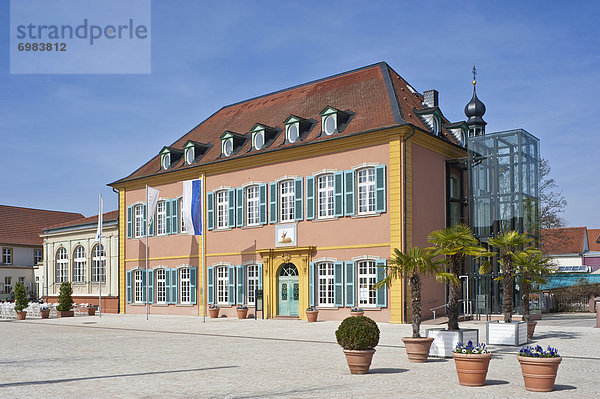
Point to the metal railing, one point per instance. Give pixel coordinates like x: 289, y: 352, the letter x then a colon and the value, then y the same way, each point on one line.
x: 467, y: 307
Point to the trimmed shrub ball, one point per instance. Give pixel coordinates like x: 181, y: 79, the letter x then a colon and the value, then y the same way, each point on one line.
x: 357, y: 333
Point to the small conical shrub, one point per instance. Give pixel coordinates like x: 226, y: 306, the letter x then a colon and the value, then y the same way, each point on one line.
x: 21, y: 301
x: 65, y: 297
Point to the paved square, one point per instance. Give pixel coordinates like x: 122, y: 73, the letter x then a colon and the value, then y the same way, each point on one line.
x: 125, y: 356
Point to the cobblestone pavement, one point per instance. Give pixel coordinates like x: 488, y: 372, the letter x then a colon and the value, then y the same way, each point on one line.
x: 125, y: 356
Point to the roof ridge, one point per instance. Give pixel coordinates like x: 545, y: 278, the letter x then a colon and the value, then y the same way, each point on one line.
x: 38, y: 209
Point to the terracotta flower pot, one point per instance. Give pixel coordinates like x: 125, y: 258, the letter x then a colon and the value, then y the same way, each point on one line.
x: 417, y: 349
x: 242, y: 313
x: 539, y: 373
x: 312, y: 315
x: 214, y: 313
x: 91, y: 311
x: 472, y: 368
x: 45, y: 314
x: 66, y: 313
x: 530, y: 329
x: 359, y: 361
x: 21, y: 315
x: 356, y: 314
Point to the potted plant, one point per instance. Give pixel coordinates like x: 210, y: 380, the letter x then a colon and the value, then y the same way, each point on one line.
x: 532, y: 265
x: 471, y: 363
x: 44, y: 311
x: 539, y: 367
x: 358, y: 336
x: 65, y: 300
x: 91, y: 310
x: 356, y: 312
x: 213, y: 311
x: 312, y: 314
x: 413, y: 265
x: 21, y: 301
x: 454, y: 244
x: 242, y: 312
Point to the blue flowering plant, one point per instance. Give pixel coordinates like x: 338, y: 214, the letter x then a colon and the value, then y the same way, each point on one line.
x: 356, y: 310
x: 470, y: 349
x: 538, y: 351
x: 311, y: 309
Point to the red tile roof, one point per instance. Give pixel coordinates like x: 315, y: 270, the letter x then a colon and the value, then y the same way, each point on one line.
x: 106, y: 217
x: 376, y: 96
x: 568, y: 240
x: 23, y: 226
x: 594, y: 239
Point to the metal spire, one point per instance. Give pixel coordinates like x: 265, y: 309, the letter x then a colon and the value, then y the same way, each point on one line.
x: 474, y: 76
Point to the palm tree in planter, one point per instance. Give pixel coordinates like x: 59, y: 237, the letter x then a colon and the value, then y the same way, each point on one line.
x: 21, y: 301
x: 65, y: 300
x: 414, y: 265
x: 532, y: 265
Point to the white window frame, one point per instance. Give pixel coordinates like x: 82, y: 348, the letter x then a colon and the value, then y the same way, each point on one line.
x: 188, y: 151
x: 325, y: 196
x: 138, y: 286
x: 165, y: 162
x: 62, y: 265
x: 38, y: 256
x: 366, y: 277
x: 7, y: 284
x: 182, y: 229
x: 259, y: 133
x: 185, y: 295
x: 138, y: 221
x: 161, y: 218
x: 287, y: 132
x: 79, y: 264
x: 286, y: 201
x: 222, y: 209
x: 160, y: 276
x: 222, y: 285
x: 251, y: 283
x: 252, y: 205
x: 325, y: 284
x: 225, y: 142
x: 98, y: 264
x: 7, y: 257
x: 334, y: 117
x: 365, y: 191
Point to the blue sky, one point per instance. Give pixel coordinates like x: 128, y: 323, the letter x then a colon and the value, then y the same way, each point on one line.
x: 65, y: 136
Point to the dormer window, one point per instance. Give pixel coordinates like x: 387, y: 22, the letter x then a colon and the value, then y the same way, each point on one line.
x: 333, y: 120
x: 193, y: 151
x: 169, y: 156
x: 296, y: 128
x: 166, y: 161
x: 262, y: 136
x: 436, y: 125
x: 231, y: 143
x: 259, y: 140
x: 189, y: 155
x: 432, y: 118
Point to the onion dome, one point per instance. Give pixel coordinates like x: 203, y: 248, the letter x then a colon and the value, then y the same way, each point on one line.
x: 474, y: 110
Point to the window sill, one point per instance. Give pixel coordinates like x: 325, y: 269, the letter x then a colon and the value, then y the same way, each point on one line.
x: 328, y: 308
x: 254, y: 226
x: 138, y: 304
x: 225, y: 306
x: 161, y: 305
x: 185, y: 305
x: 327, y: 219
x: 223, y: 229
x: 366, y: 215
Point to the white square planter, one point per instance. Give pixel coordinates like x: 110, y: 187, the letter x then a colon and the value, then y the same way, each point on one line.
x: 446, y: 340
x: 501, y: 333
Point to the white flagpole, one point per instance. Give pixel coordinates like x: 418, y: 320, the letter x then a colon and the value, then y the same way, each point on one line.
x: 146, y: 228
x: 101, y: 250
x: 202, y: 208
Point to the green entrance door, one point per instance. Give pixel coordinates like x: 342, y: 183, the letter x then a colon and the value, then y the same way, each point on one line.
x: 289, y: 290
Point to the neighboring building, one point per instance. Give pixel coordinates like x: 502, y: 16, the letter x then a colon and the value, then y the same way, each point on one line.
x: 74, y: 254
x: 21, y: 246
x: 308, y: 190
x: 566, y: 247
x: 591, y: 259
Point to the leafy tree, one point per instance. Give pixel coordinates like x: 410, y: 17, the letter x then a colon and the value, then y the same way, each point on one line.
x: 532, y: 265
x: 552, y: 202
x: 21, y: 301
x: 455, y: 243
x: 413, y: 265
x: 65, y: 297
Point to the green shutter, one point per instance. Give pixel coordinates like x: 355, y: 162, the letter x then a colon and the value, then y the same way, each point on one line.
x: 350, y: 283
x: 338, y: 194
x: 260, y: 276
x: 240, y: 207
x: 129, y: 222
x: 311, y: 284
x: 174, y: 215
x: 150, y: 281
x: 193, y: 285
x: 273, y: 203
x: 210, y: 210
x: 211, y: 285
x: 298, y: 202
x: 168, y: 216
x: 129, y: 293
x: 144, y: 227
x: 310, y: 197
x: 349, y: 192
x: 231, y: 276
x: 380, y: 188
x: 338, y: 281
x: 231, y: 207
x: 168, y: 285
x: 240, y: 284
x: 263, y: 203
x: 174, y: 285
x: 381, y: 294
x: 144, y: 286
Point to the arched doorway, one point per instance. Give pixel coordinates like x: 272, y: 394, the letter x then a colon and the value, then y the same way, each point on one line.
x: 288, y: 290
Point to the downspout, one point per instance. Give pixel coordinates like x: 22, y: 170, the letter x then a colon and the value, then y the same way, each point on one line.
x: 404, y: 228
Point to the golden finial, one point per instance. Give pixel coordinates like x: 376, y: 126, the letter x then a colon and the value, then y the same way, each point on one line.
x: 474, y: 75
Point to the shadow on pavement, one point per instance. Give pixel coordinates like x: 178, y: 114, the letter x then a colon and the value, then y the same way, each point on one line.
x: 496, y: 382
x: 387, y: 371
x: 558, y: 334
x: 437, y: 360
x: 564, y: 387
x: 100, y: 377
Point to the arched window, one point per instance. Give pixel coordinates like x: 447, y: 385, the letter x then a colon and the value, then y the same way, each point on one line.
x: 62, y: 265
x: 366, y: 190
x: 252, y: 206
x: 79, y: 263
x: 325, y: 196
x: 286, y: 201
x: 98, y: 264
x: 222, y: 205
x: 138, y: 211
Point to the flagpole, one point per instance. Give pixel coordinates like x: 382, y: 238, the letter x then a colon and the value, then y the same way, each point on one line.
x: 146, y: 228
x: 101, y: 250
x: 203, y: 257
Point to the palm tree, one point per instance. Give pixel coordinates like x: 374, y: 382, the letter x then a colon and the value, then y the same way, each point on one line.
x: 412, y: 265
x: 455, y: 243
x: 507, y: 243
x: 532, y: 265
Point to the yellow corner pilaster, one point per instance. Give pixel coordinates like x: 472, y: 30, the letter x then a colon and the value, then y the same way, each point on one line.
x: 122, y: 238
x: 395, y: 192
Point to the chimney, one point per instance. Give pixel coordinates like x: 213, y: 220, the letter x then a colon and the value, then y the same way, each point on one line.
x: 430, y: 98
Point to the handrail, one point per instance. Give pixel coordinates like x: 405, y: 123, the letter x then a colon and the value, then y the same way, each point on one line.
x: 468, y: 301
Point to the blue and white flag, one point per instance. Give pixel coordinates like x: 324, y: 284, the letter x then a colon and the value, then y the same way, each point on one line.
x: 99, y: 229
x: 191, y: 210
